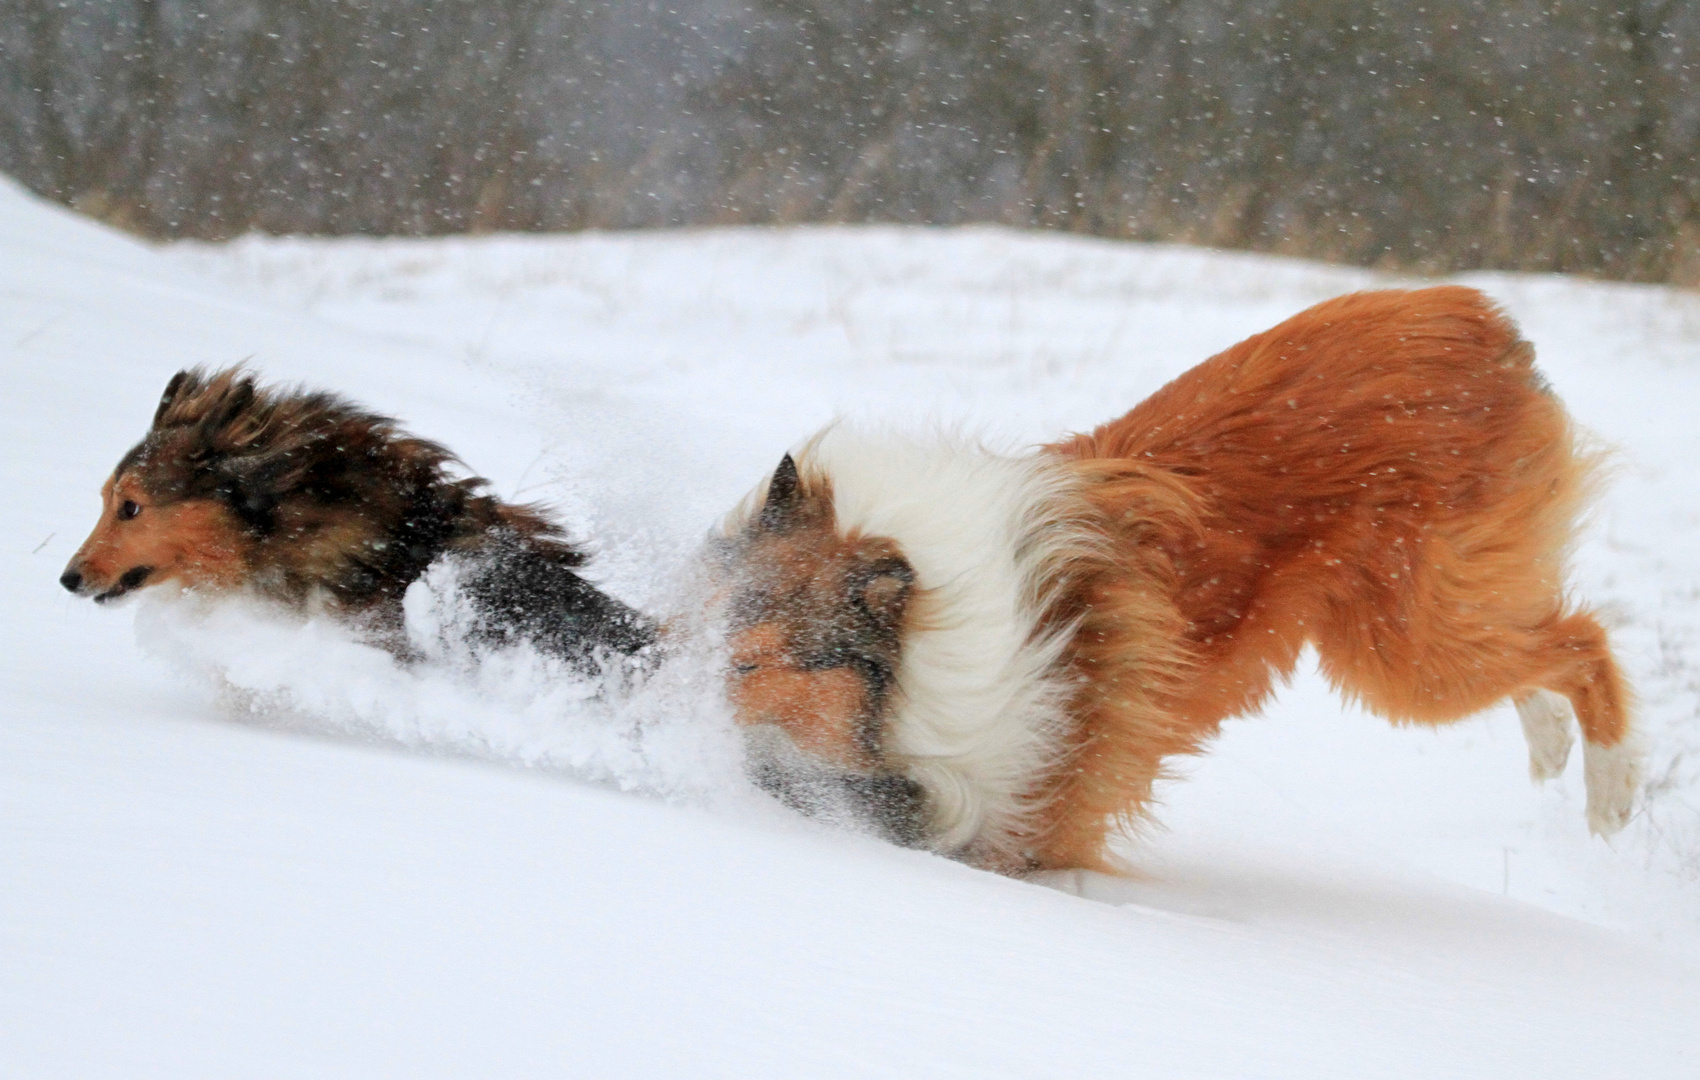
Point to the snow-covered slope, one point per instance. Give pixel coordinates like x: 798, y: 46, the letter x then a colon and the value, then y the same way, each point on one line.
x: 235, y: 845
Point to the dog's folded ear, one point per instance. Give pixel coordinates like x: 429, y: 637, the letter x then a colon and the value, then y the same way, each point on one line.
x: 254, y: 483
x: 883, y: 590
x: 252, y: 503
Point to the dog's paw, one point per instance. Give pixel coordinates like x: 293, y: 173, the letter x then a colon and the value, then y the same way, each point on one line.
x: 1547, y: 727
x: 1614, y: 776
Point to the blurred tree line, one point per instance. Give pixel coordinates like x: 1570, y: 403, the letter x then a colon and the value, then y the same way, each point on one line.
x: 1425, y: 134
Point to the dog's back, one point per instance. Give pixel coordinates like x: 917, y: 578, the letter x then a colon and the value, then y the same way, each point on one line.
x: 1381, y: 399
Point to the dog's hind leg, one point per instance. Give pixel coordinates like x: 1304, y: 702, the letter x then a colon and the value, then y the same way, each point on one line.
x: 1611, y: 750
x: 1440, y: 669
x: 1546, y: 726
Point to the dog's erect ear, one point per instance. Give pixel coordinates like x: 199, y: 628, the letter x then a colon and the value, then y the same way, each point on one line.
x: 883, y: 591
x: 172, y: 389
x: 784, y: 496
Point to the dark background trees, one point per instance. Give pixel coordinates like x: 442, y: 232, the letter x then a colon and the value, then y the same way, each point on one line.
x: 1435, y: 135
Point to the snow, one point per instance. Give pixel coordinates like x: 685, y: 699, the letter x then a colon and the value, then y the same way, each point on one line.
x: 238, y: 843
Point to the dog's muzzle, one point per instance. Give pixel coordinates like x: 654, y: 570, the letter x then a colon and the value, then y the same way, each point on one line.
x: 889, y: 805
x: 132, y: 578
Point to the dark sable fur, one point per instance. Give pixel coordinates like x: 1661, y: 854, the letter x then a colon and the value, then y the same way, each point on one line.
x: 333, y: 498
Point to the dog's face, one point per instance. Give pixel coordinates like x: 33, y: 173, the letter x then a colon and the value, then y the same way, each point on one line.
x: 158, y: 522
x: 143, y: 539
x: 815, y: 626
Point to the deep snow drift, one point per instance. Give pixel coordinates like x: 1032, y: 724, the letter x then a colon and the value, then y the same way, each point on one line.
x: 233, y: 843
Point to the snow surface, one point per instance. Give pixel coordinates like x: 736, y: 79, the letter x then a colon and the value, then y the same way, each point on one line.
x: 234, y: 843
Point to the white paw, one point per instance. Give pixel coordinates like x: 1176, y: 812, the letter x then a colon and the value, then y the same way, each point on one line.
x: 1614, y: 776
x: 1546, y: 725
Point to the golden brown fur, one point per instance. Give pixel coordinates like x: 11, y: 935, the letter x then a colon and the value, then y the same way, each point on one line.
x: 1384, y: 476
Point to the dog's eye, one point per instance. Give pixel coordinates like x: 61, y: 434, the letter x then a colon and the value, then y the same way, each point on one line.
x: 826, y: 660
x: 128, y: 510
x: 744, y: 669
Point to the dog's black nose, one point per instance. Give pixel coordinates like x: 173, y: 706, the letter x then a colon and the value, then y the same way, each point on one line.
x: 71, y: 580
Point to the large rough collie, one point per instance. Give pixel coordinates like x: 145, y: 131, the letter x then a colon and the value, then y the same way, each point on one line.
x: 309, y: 500
x: 992, y: 656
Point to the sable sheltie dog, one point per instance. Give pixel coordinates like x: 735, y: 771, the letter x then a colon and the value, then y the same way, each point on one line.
x: 992, y: 656
x: 309, y: 500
